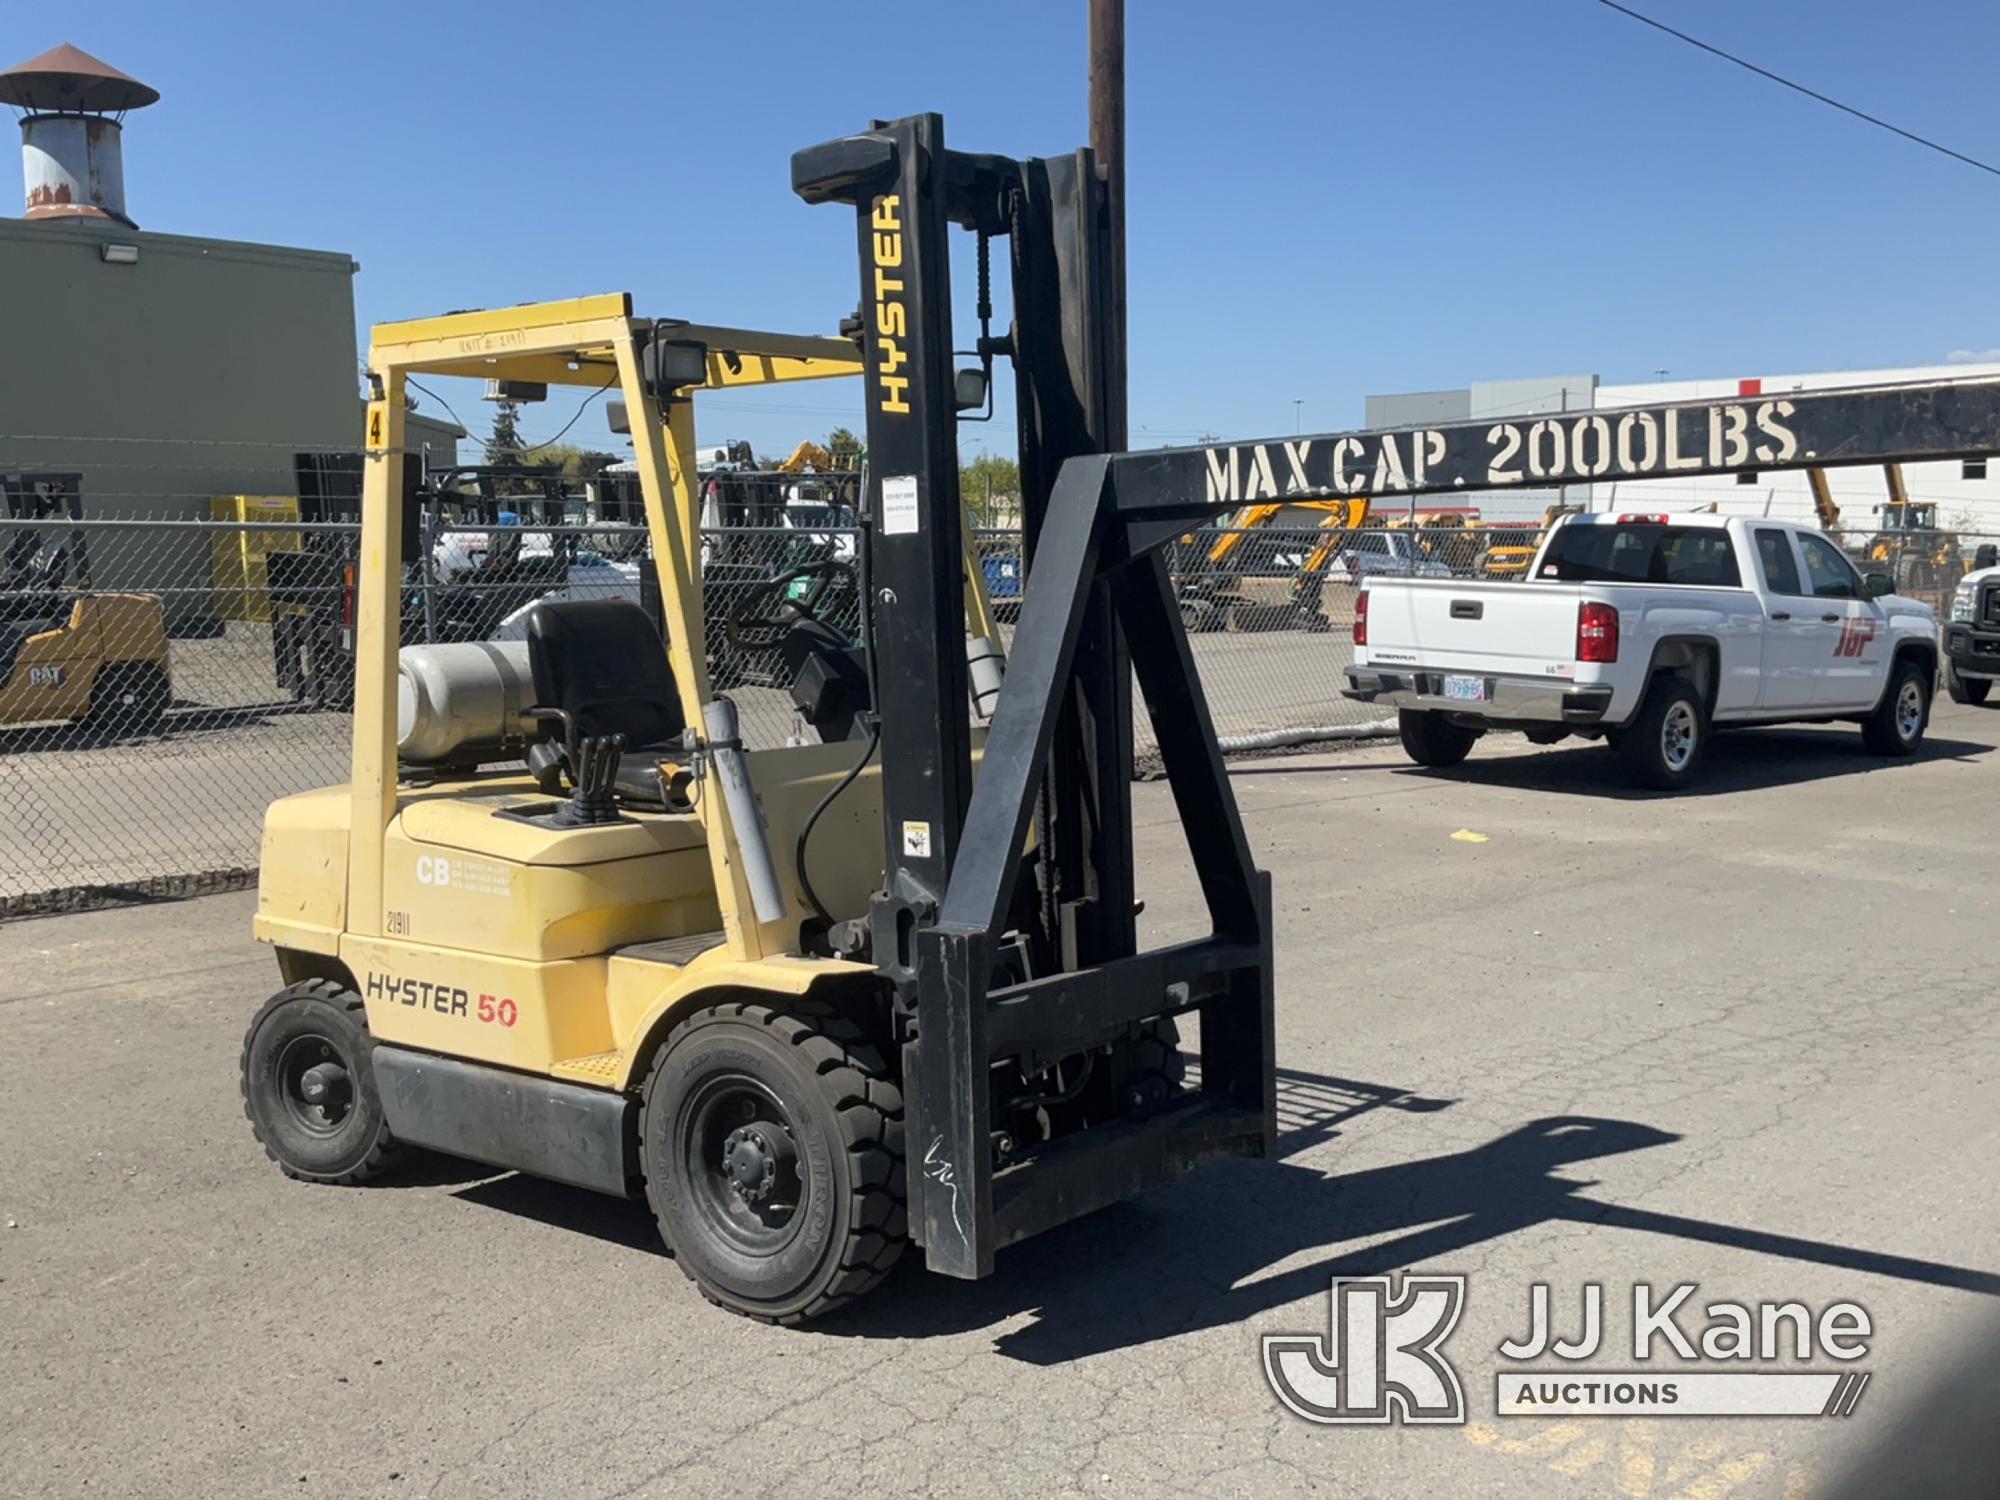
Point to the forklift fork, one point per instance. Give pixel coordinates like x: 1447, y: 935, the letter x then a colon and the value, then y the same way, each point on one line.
x: 1058, y: 755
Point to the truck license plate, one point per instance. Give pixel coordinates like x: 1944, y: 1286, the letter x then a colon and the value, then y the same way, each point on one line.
x: 1466, y: 689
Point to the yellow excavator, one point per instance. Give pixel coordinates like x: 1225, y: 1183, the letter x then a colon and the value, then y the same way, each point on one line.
x: 809, y: 457
x: 1212, y: 594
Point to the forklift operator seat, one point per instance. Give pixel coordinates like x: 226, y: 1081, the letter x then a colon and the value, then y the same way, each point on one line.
x: 602, y: 662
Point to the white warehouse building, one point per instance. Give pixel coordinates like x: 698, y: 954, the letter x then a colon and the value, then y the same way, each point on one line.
x: 1967, y: 499
x: 1966, y: 493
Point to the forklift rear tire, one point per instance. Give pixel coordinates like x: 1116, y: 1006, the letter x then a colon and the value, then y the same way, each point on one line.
x: 309, y: 1086
x: 1430, y: 739
x: 771, y: 1137
x: 129, y: 697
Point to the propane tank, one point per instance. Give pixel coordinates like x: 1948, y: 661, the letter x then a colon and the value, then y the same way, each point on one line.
x: 464, y: 700
x: 986, y: 668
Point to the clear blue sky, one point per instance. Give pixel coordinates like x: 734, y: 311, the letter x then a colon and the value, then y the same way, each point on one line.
x: 1327, y: 199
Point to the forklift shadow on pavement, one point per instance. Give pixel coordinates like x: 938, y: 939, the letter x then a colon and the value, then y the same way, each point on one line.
x: 1195, y: 1255
x: 1311, y: 1109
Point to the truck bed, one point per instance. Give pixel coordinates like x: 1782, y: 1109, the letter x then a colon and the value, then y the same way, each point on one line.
x: 1468, y: 625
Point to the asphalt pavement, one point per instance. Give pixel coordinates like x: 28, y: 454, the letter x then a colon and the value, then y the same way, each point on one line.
x: 1533, y: 1027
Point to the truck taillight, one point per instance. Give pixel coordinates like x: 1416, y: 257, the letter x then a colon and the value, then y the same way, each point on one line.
x: 1596, y: 632
x: 347, y: 597
x: 1361, y: 618
x: 1642, y: 520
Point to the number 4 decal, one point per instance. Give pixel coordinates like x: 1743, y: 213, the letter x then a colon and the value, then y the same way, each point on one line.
x: 1854, y: 637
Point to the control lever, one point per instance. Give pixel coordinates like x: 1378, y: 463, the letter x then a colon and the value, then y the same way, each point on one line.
x: 593, y: 772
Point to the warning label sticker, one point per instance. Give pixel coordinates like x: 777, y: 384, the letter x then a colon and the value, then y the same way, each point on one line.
x: 899, y: 505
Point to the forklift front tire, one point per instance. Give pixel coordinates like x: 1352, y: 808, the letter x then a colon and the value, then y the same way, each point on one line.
x: 771, y: 1137
x: 309, y: 1086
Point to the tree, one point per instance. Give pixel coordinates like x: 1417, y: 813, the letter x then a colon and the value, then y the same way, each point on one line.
x: 504, y: 445
x: 845, y: 448
x: 991, y: 485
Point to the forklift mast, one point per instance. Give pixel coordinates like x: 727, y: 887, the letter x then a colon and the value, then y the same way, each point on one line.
x: 949, y: 934
x: 988, y: 964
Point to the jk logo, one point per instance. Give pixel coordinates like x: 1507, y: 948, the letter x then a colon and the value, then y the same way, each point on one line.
x: 1380, y: 1361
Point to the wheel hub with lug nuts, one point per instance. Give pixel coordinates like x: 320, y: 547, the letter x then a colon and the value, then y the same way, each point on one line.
x: 322, y: 1084
x: 751, y: 1158
x: 1677, y: 736
x: 1909, y: 709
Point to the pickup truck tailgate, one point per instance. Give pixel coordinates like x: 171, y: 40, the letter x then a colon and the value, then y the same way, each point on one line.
x: 1463, y: 625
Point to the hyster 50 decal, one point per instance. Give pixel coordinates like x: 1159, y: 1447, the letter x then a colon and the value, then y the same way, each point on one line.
x: 445, y: 999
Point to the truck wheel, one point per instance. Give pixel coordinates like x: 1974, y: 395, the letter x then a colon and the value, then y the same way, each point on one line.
x: 1965, y: 689
x: 1897, y: 725
x: 309, y: 1086
x: 772, y: 1143
x: 1430, y: 739
x: 1664, y: 745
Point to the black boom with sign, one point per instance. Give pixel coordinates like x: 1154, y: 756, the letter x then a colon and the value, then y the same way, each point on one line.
x: 1873, y: 424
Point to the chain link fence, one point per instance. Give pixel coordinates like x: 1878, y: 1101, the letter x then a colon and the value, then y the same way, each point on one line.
x: 163, y: 679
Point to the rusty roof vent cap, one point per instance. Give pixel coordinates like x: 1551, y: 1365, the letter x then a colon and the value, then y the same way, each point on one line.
x: 68, y: 81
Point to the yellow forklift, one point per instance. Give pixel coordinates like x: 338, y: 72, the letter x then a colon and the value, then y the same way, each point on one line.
x: 561, y: 919
x: 70, y: 653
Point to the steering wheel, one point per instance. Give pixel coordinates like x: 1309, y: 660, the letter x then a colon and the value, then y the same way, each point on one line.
x: 757, y: 623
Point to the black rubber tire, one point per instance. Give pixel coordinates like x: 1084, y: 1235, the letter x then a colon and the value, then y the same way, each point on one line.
x: 1642, y: 743
x: 1201, y: 615
x: 846, y: 1111
x: 129, y: 697
x: 1430, y: 739
x: 1883, y: 731
x: 1159, y: 1067
x: 361, y: 1147
x: 1965, y: 689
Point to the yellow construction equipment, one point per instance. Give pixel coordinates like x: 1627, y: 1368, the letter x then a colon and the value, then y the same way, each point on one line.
x: 70, y: 653
x: 1213, y: 592
x: 1910, y: 545
x: 1824, y: 509
x: 808, y: 457
x: 611, y: 967
x: 1510, y: 551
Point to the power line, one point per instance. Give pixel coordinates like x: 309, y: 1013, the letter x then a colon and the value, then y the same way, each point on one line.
x: 532, y: 447
x: 1908, y: 135
x: 418, y: 385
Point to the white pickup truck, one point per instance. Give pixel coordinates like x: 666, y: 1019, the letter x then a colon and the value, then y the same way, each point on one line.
x: 1647, y: 631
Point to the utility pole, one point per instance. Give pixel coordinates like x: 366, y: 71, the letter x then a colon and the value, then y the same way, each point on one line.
x: 1298, y: 415
x: 1107, y: 141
